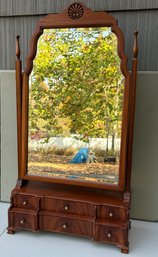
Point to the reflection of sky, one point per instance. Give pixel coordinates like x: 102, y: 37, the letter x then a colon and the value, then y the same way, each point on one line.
x: 77, y: 33
x: 96, y: 35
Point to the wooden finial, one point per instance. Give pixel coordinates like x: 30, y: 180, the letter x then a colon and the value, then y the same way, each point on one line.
x: 135, y: 45
x: 17, y: 47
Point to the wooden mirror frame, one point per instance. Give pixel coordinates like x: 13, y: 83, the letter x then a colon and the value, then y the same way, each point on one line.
x: 80, y: 17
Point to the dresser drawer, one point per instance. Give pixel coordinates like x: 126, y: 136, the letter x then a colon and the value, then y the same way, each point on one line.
x: 23, y: 220
x: 66, y: 206
x: 25, y: 202
x: 109, y: 213
x: 65, y: 225
x: 111, y: 234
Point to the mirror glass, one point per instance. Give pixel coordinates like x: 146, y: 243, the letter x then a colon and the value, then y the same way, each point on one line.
x: 75, y: 105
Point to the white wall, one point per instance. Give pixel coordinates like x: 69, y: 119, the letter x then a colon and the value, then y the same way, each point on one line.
x: 9, y: 168
x: 145, y: 149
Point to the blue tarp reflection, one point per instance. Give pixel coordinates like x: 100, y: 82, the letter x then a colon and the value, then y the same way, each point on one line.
x: 81, y: 156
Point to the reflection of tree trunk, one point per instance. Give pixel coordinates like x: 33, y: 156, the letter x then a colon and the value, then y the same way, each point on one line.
x: 107, y: 143
x: 106, y: 121
x: 107, y: 135
x: 113, y: 143
x: 117, y: 114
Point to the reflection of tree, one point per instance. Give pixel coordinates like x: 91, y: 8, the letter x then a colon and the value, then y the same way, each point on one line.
x: 76, y: 83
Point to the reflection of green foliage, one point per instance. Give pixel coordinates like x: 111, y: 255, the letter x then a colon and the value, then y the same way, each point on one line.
x: 76, y: 85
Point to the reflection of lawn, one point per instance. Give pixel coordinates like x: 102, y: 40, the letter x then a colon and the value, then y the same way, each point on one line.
x: 59, y: 166
x: 98, y: 168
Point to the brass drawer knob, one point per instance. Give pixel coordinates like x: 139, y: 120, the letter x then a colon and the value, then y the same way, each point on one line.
x: 109, y: 235
x: 66, y: 207
x: 64, y: 226
x: 22, y: 221
x: 111, y: 214
x: 24, y: 203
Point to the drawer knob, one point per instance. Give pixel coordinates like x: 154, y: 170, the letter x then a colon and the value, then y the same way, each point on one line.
x: 111, y: 214
x: 22, y: 221
x: 64, y: 226
x: 66, y: 207
x: 24, y: 202
x: 109, y: 235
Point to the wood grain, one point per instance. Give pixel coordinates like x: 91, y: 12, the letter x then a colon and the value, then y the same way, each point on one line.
x: 36, y: 7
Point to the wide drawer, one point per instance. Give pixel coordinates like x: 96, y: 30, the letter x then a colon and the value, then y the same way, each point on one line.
x: 110, y: 234
x: 66, y: 206
x: 112, y: 214
x: 25, y: 202
x: 65, y: 225
x: 23, y: 220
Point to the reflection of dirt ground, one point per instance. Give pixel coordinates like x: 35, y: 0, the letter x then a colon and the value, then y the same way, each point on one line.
x: 55, y: 165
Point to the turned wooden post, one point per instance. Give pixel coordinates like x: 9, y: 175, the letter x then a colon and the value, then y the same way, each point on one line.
x: 18, y: 65
x: 132, y: 96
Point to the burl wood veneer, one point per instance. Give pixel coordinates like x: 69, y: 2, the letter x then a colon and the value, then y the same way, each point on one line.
x: 98, y: 214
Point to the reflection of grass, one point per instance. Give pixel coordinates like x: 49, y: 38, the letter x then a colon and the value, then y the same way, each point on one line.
x: 97, y: 168
x: 66, y: 151
x: 71, y: 151
x: 60, y: 166
x: 100, y: 172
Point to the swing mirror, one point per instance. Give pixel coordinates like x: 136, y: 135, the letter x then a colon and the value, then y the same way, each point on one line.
x: 75, y: 101
x: 75, y: 105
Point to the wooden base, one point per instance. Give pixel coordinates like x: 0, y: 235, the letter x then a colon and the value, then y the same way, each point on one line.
x: 125, y: 249
x: 11, y: 232
x: 97, y: 214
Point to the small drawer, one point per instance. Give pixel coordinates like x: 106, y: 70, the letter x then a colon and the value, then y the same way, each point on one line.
x: 111, y: 234
x: 65, y: 225
x: 109, y: 213
x: 23, y: 220
x: 70, y: 207
x: 25, y: 202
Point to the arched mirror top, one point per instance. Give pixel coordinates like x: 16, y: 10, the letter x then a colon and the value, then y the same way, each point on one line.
x: 77, y: 15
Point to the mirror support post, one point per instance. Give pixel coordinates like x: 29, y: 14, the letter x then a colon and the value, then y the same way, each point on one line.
x: 18, y: 100
x: 132, y: 97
